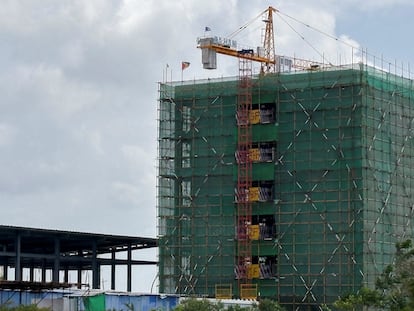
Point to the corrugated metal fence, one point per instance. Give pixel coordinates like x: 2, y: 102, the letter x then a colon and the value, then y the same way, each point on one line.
x: 76, y: 300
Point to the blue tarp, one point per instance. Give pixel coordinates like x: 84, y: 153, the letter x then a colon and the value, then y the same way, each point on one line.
x: 140, y: 303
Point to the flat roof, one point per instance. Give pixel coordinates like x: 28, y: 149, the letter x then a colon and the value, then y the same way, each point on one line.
x: 63, y: 251
x: 38, y: 241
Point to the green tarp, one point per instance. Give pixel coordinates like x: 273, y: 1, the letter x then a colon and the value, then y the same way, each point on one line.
x: 94, y: 303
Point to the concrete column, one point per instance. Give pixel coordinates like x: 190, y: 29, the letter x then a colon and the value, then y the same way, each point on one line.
x: 5, y: 272
x: 79, y: 277
x: 56, y: 262
x: 129, y: 269
x: 44, y: 273
x: 66, y: 278
x: 113, y: 270
x: 95, y: 273
x: 31, y: 274
x: 18, y: 266
x: 79, y: 269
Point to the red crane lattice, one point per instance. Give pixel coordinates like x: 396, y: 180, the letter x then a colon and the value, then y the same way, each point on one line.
x: 244, y: 176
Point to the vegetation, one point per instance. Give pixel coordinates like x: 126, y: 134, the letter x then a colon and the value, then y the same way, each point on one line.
x: 6, y: 307
x: 205, y: 305
x: 394, y: 289
x: 269, y: 305
x: 198, y: 305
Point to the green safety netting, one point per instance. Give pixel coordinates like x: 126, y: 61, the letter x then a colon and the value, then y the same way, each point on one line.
x: 94, y: 303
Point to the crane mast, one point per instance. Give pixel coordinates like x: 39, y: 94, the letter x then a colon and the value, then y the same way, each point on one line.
x: 269, y: 43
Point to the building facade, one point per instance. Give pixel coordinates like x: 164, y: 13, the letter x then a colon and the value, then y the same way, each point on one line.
x: 330, y: 183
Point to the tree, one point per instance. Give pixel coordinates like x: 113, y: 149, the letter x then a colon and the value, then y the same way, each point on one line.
x: 269, y: 305
x: 198, y: 305
x: 206, y: 305
x: 394, y: 288
x: 7, y: 307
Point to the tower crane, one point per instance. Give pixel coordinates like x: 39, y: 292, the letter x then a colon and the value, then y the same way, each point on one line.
x: 265, y: 54
x: 245, y: 270
x: 210, y: 46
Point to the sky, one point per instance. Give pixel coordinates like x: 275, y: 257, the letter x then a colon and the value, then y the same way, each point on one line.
x: 79, y: 89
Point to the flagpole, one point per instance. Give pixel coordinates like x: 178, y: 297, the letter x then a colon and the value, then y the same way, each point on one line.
x: 165, y: 74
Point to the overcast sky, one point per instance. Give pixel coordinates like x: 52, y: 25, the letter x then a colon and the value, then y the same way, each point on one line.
x: 78, y: 93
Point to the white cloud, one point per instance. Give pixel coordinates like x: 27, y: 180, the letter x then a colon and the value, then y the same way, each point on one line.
x: 48, y: 88
x: 127, y: 193
x: 375, y: 4
x: 72, y: 53
x: 7, y: 134
x: 132, y: 14
x: 137, y: 156
x: 91, y: 138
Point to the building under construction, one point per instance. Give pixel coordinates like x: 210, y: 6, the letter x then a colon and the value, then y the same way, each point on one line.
x: 294, y: 186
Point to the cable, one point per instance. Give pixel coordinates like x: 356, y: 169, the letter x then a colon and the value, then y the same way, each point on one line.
x: 241, y: 28
x: 307, y: 42
x: 153, y: 282
x: 357, y: 48
x: 317, y: 30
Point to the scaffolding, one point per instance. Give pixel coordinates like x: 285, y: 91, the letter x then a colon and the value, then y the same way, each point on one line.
x: 330, y: 191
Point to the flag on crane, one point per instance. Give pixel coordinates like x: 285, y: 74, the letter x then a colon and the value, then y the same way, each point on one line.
x: 207, y: 28
x: 184, y: 65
